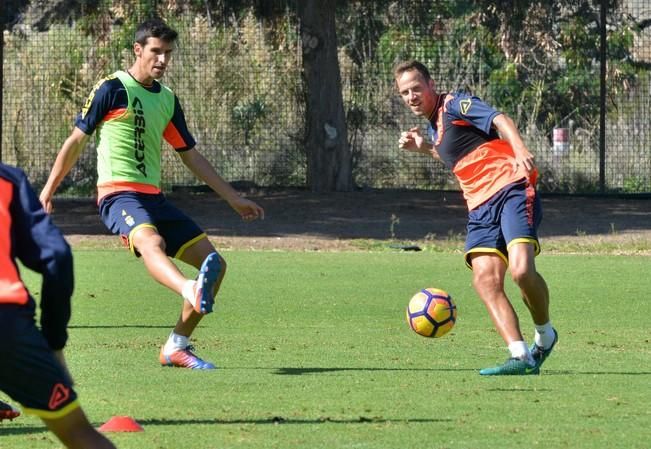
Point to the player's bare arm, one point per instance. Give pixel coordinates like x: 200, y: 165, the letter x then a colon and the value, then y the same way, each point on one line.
x: 65, y: 160
x: 203, y: 170
x: 509, y: 132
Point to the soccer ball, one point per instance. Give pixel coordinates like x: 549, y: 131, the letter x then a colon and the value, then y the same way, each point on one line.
x: 431, y: 313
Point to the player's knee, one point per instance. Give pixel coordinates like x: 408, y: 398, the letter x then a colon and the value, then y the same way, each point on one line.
x: 153, y: 243
x: 486, y: 280
x: 522, y: 274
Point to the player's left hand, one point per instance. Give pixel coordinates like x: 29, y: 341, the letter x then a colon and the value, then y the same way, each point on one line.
x: 247, y: 209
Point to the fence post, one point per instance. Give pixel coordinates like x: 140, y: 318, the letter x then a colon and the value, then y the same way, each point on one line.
x: 602, y: 97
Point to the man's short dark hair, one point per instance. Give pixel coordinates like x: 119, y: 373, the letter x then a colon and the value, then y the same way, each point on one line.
x: 155, y: 27
x: 407, y: 66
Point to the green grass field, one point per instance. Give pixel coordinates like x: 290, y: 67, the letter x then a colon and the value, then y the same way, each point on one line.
x: 314, y: 352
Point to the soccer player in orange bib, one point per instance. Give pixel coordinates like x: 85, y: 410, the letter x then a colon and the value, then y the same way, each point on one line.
x: 497, y: 175
x: 33, y: 369
x: 131, y: 113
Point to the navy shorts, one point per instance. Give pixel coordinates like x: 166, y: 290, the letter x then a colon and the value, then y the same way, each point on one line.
x: 29, y: 372
x: 510, y: 216
x: 125, y: 212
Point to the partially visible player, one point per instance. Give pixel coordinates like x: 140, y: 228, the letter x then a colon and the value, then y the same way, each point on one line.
x: 497, y: 175
x: 33, y: 371
x: 131, y: 113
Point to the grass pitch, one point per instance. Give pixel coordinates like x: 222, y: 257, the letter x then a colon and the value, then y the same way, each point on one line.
x: 314, y: 352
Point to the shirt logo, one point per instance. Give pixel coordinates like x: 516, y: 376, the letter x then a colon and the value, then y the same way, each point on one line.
x: 138, y: 133
x: 465, y: 105
x: 128, y: 219
x: 60, y: 394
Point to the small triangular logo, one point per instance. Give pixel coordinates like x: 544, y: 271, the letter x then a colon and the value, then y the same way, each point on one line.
x: 465, y: 105
x: 60, y: 394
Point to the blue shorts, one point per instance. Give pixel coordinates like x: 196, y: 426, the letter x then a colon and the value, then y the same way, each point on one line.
x: 125, y: 212
x: 510, y: 216
x: 29, y: 372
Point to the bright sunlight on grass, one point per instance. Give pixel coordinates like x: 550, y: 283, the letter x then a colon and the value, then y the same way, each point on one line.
x: 314, y: 352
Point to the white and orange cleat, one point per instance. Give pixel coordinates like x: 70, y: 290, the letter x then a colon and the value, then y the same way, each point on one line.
x: 184, y: 358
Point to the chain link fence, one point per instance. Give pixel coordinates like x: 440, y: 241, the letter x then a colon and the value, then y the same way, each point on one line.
x: 238, y: 74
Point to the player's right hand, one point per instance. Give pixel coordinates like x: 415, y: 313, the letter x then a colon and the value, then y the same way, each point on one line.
x: 247, y: 209
x: 411, y: 140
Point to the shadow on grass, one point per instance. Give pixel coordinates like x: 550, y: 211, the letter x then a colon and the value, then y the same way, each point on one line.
x: 596, y: 373
x: 118, y: 326
x: 517, y: 390
x: 287, y: 371
x: 301, y: 371
x: 22, y: 430
x: 274, y: 420
x: 283, y: 420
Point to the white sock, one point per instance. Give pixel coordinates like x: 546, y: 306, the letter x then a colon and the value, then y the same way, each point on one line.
x: 544, y: 335
x: 175, y: 342
x: 520, y: 350
x: 188, y: 291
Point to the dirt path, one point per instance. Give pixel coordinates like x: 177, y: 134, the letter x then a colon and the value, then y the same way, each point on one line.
x: 301, y: 220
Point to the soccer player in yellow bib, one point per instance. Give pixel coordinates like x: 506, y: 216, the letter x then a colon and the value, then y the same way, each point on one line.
x: 131, y: 112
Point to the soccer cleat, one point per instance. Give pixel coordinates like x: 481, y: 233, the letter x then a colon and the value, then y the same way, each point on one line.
x: 184, y: 358
x: 512, y: 367
x: 7, y: 411
x: 540, y: 354
x: 203, y: 290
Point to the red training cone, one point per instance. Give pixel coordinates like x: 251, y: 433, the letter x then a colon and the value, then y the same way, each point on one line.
x: 121, y: 424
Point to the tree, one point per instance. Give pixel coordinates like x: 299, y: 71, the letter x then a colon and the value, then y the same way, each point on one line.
x: 326, y: 141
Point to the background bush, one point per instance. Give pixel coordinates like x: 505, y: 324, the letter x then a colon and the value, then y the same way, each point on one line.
x: 238, y: 73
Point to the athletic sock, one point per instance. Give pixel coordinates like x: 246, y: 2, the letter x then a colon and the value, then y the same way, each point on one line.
x: 174, y: 343
x: 188, y: 291
x: 520, y: 350
x: 544, y: 335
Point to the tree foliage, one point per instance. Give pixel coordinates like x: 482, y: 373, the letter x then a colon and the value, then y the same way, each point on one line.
x: 538, y: 61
